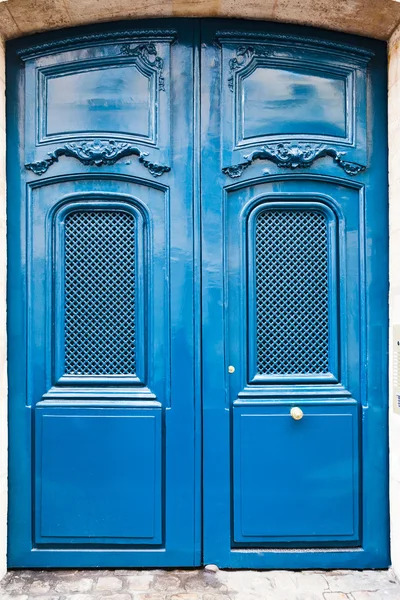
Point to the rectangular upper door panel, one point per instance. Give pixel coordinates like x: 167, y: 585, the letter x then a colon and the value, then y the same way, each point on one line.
x: 291, y: 100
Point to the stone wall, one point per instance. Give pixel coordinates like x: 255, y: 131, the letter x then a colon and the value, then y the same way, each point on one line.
x: 372, y: 18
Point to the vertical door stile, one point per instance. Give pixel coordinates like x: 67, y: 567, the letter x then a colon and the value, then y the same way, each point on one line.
x: 197, y: 288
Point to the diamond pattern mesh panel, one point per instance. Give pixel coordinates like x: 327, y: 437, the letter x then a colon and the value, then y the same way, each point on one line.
x: 100, y: 293
x: 292, y: 292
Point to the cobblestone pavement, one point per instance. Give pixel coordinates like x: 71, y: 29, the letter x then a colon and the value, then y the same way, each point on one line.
x: 199, y: 585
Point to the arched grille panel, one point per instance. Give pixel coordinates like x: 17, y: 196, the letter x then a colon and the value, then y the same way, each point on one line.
x: 292, y: 286
x: 99, y: 293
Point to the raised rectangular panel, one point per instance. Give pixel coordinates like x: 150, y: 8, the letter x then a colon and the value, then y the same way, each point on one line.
x: 98, y: 475
x: 117, y: 99
x: 292, y: 102
x: 295, y: 482
x: 288, y: 102
x: 109, y: 92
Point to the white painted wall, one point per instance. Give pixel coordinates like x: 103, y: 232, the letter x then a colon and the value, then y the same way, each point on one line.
x: 3, y: 345
x: 394, y: 226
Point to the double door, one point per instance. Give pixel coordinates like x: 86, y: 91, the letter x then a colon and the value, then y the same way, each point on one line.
x: 197, y: 298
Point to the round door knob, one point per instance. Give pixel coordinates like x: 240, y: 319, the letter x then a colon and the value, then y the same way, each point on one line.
x: 296, y: 413
x: 231, y: 369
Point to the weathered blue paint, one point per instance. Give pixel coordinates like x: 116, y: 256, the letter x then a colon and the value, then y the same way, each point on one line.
x: 278, y: 143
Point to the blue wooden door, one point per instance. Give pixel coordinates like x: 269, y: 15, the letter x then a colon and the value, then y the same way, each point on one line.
x: 197, y: 207
x: 102, y: 383
x: 294, y: 299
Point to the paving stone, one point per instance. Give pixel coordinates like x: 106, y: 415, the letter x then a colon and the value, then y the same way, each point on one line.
x: 246, y: 581
x: 355, y: 581
x: 311, y: 582
x: 377, y: 595
x: 15, y: 585
x: 205, y: 581
x: 79, y: 585
x: 167, y: 583
x: 108, y: 584
x: 284, y: 581
x: 48, y: 597
x: 116, y: 597
x: 39, y: 588
x: 79, y: 597
x: 184, y: 596
x: 149, y: 596
x: 195, y: 584
x: 69, y: 573
x: 139, y: 583
x: 268, y: 595
x: 308, y: 596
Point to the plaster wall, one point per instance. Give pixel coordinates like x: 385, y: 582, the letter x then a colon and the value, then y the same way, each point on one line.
x: 3, y: 363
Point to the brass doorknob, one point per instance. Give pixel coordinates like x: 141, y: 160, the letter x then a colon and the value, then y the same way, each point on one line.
x: 296, y: 413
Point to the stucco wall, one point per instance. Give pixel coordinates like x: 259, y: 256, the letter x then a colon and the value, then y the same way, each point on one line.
x: 3, y: 364
x: 394, y: 223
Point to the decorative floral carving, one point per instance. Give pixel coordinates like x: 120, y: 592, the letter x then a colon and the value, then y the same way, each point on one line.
x: 147, y: 54
x: 292, y: 156
x: 244, y: 56
x: 98, y: 153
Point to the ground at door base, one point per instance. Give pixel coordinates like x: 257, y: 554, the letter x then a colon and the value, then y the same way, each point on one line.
x: 204, y: 584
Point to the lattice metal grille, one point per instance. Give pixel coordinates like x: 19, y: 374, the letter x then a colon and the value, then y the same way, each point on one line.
x: 292, y: 292
x: 100, y: 293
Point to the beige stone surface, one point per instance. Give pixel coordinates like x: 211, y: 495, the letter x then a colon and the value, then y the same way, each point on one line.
x: 372, y: 18
x: 199, y: 584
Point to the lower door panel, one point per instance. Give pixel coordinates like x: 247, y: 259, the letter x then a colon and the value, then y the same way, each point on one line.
x: 98, y: 475
x: 295, y: 479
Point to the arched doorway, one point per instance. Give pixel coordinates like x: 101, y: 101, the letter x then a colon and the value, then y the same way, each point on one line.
x: 197, y: 302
